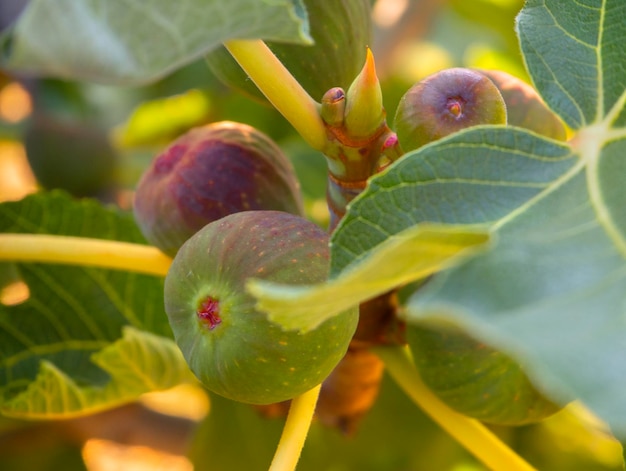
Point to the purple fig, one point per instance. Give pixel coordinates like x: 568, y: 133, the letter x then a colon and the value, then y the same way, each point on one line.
x: 208, y: 173
x: 233, y: 348
x: 444, y: 103
x: 525, y: 108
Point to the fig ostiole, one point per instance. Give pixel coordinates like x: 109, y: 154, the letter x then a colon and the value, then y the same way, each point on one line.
x: 444, y: 103
x: 208, y: 173
x: 234, y: 349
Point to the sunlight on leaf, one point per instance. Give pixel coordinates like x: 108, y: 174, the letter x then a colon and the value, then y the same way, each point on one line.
x: 72, y: 312
x: 574, y: 52
x: 406, y: 257
x: 137, y: 363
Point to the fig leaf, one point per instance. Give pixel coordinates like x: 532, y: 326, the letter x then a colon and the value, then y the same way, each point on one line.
x: 57, y: 395
x: 573, y: 56
x: 550, y: 291
x: 341, y: 33
x: 121, y: 42
x: 408, y: 256
x: 73, y: 313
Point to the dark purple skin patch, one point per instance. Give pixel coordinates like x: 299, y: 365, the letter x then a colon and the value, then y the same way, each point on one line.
x: 208, y: 313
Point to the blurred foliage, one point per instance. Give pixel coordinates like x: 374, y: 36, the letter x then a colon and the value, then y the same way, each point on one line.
x: 137, y: 121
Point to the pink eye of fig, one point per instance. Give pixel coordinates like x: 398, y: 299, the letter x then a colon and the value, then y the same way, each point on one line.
x: 444, y: 103
x: 209, y: 312
x: 233, y: 348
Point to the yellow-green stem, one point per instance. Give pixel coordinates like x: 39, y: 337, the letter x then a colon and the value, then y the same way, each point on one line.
x: 470, y: 433
x: 295, y: 431
x: 281, y: 89
x: 43, y: 248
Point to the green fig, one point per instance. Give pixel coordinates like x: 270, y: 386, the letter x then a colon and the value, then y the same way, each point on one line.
x: 525, y: 108
x: 475, y: 379
x: 444, y: 103
x: 208, y: 173
x: 70, y: 154
x: 233, y: 348
x: 341, y: 32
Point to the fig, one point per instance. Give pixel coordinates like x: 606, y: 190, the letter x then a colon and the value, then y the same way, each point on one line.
x: 208, y: 173
x: 475, y: 379
x: 70, y: 154
x: 341, y: 31
x: 233, y: 348
x: 525, y: 108
x: 66, y: 143
x: 444, y: 103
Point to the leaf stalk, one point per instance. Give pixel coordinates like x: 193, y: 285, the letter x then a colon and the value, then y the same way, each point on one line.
x: 470, y: 433
x: 44, y: 248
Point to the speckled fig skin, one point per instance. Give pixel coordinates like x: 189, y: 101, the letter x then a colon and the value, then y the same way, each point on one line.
x: 208, y: 173
x: 444, y: 103
x: 238, y: 353
x: 525, y: 108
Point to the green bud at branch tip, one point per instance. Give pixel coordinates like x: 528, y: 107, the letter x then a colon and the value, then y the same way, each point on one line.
x: 364, y: 102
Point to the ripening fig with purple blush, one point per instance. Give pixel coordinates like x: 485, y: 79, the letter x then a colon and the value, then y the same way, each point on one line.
x: 208, y: 173
x: 444, y: 103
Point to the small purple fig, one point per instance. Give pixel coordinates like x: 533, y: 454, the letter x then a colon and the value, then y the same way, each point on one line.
x: 444, y: 103
x: 208, y: 173
x: 233, y: 348
x: 525, y: 108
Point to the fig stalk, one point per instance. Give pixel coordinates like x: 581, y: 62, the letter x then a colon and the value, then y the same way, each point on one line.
x: 295, y: 431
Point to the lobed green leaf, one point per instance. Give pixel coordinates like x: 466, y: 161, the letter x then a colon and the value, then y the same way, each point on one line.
x: 73, y: 313
x: 551, y: 293
x: 130, y: 42
x: 476, y: 176
x: 139, y: 362
x: 550, y: 290
x: 575, y: 55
